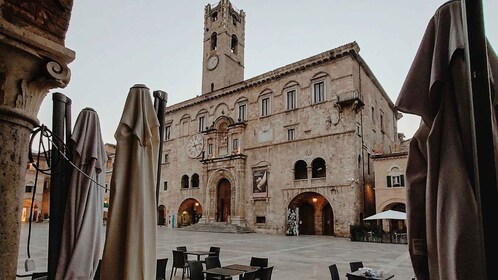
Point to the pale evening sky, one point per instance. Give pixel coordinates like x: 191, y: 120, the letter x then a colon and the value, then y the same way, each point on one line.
x: 159, y: 43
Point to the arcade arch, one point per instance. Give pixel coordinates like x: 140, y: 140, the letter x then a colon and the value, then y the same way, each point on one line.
x: 314, y: 212
x: 189, y: 212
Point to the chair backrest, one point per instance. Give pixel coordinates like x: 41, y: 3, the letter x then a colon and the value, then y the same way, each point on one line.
x: 178, y: 259
x: 265, y: 273
x: 355, y: 266
x: 212, y: 261
x: 250, y: 275
x: 355, y: 277
x: 182, y: 248
x: 261, y: 262
x: 334, y: 272
x: 161, y: 269
x: 216, y: 250
x: 196, y: 270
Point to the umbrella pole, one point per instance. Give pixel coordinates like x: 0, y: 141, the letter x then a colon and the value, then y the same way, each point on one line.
x: 60, y: 178
x: 481, y: 120
x: 160, y: 99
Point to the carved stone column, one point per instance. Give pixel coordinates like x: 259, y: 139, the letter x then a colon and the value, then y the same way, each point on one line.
x: 33, y: 60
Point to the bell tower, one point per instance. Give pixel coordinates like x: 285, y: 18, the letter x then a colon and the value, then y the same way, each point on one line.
x: 223, y: 52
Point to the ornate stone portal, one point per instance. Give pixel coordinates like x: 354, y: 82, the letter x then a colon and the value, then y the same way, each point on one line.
x: 33, y: 60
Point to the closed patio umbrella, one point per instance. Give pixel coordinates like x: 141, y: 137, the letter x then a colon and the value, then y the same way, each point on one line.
x: 130, y: 243
x: 80, y: 244
x: 445, y: 235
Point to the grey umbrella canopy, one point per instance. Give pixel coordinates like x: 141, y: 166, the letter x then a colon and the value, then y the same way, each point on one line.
x: 130, y: 246
x: 444, y: 233
x: 80, y: 244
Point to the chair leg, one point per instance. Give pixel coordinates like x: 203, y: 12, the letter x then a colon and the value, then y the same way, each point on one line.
x: 183, y: 273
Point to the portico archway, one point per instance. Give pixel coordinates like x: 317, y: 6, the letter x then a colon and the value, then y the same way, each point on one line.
x: 315, y: 214
x: 189, y: 212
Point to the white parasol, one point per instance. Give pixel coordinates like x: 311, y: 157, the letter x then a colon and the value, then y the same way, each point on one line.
x: 388, y: 215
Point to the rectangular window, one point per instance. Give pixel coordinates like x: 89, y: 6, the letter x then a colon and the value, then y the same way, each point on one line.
x: 202, y: 123
x: 291, y: 133
x: 242, y: 112
x: 318, y: 92
x: 165, y: 185
x: 167, y: 132
x: 260, y: 220
x: 396, y: 181
x: 210, y: 149
x: 46, y: 185
x: 166, y: 158
x: 368, y: 164
x: 373, y: 114
x: 29, y: 188
x: 235, y: 144
x: 265, y: 106
x: 291, y: 100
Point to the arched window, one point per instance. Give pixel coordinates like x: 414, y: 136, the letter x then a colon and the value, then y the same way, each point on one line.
x: 214, y: 16
x: 300, y: 170
x: 195, y: 180
x: 234, y: 44
x: 184, y: 182
x: 318, y: 168
x: 214, y: 41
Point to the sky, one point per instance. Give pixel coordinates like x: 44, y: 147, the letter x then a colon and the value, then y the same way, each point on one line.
x: 159, y: 43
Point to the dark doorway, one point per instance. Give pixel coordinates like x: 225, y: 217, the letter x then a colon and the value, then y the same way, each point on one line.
x: 223, y: 201
x: 327, y: 220
x: 306, y: 219
x: 161, y: 215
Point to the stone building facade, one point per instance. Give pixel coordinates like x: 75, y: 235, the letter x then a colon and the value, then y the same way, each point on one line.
x: 297, y: 139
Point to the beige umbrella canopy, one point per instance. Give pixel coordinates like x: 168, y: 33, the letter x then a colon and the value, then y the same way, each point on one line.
x: 444, y: 235
x: 80, y: 244
x: 130, y: 246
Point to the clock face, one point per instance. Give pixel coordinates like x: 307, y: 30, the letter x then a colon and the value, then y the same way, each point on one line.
x: 195, y: 145
x: 212, y: 62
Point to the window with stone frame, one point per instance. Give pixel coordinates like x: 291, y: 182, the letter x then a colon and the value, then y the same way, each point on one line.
x: 318, y: 168
x: 242, y: 112
x: 265, y: 106
x: 291, y: 98
x: 395, y: 178
x: 185, y: 182
x: 201, y: 124
x: 318, y: 92
x: 291, y: 134
x: 167, y: 132
x: 300, y: 170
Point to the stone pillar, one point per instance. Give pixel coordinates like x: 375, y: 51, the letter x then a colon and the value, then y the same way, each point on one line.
x: 33, y: 60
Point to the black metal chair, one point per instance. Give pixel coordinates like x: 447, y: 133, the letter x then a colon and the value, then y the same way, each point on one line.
x: 196, y: 270
x: 161, y: 269
x: 39, y: 275
x: 179, y: 262
x: 215, y: 250
x: 355, y: 277
x: 334, y: 272
x: 212, y: 262
x: 355, y: 266
x: 260, y: 262
x: 249, y: 275
x: 265, y: 273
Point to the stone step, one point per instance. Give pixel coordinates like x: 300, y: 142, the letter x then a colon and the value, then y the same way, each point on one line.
x: 217, y: 227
